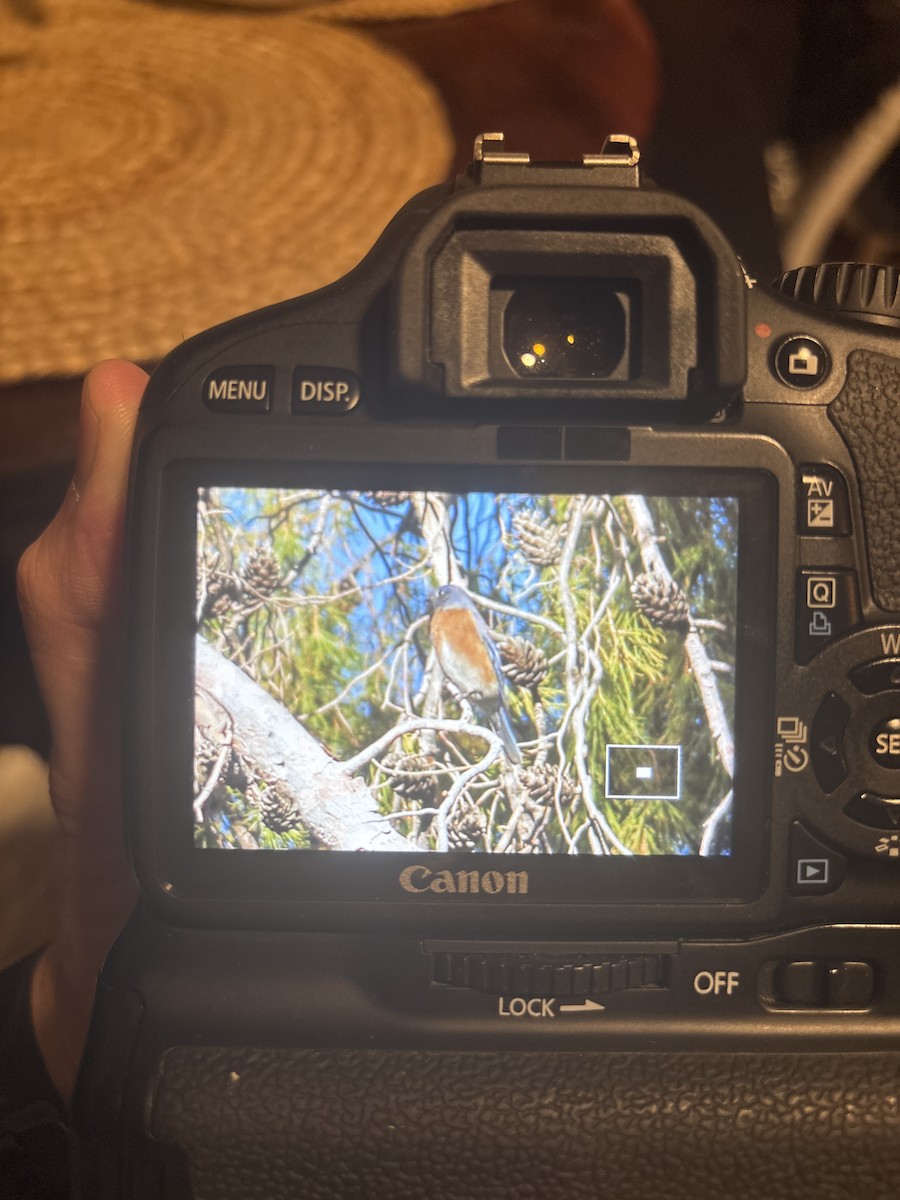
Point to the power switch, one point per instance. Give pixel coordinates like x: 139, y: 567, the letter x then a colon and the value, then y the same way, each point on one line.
x: 850, y: 985
x: 800, y: 985
x: 823, y: 984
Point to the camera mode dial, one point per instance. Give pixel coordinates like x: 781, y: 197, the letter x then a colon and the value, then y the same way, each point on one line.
x: 858, y: 290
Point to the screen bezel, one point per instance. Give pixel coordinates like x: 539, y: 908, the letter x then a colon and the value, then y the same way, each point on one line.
x: 321, y: 878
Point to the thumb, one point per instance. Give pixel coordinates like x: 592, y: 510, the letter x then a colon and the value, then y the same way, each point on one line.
x: 70, y: 593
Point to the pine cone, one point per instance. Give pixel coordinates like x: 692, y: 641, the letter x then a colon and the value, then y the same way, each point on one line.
x: 467, y: 831
x: 276, y: 807
x: 222, y: 595
x: 661, y: 601
x: 412, y: 777
x: 262, y: 573
x: 541, y: 784
x: 523, y: 663
x: 538, y: 538
x: 205, y: 758
x: 388, y: 499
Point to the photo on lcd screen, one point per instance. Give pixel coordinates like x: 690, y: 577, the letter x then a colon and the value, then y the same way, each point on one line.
x: 464, y: 671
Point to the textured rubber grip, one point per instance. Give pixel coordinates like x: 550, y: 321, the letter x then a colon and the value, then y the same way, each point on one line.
x: 867, y: 413
x: 403, y: 1125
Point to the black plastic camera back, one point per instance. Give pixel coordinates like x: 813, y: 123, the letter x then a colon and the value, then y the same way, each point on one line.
x: 449, y: 942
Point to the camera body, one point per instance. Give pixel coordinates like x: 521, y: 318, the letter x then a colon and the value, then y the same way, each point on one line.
x: 513, y: 711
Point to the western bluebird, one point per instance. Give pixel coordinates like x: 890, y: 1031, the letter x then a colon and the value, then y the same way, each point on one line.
x: 470, y: 660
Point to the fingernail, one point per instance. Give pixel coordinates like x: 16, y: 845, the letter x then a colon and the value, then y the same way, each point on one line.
x: 88, y: 436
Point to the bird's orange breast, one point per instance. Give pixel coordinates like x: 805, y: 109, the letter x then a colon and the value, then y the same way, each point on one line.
x: 462, y: 654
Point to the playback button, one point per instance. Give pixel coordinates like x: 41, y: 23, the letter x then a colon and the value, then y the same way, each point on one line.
x: 813, y: 867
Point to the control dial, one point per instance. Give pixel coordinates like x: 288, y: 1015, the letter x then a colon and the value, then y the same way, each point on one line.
x: 858, y: 290
x: 545, y: 975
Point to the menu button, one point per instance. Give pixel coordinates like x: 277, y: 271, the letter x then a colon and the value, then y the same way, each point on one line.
x: 239, y: 389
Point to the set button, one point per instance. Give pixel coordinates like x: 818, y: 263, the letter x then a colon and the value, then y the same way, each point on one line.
x: 884, y: 743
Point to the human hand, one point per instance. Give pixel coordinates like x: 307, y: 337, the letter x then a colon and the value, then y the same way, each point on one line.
x: 70, y: 592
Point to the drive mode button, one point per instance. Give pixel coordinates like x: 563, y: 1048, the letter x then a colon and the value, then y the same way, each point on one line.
x: 324, y: 390
x: 239, y: 389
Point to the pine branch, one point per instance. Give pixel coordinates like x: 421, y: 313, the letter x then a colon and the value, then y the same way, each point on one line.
x: 653, y: 561
x: 582, y: 684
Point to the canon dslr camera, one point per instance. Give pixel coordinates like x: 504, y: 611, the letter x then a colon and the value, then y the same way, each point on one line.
x: 513, y: 710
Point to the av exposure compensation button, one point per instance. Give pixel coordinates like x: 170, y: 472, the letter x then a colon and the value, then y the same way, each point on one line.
x: 823, y: 505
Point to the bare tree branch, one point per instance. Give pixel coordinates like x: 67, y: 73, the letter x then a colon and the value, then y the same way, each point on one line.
x: 413, y: 725
x: 434, y: 521
x: 445, y: 811
x: 338, y: 811
x: 208, y: 788
x: 713, y: 824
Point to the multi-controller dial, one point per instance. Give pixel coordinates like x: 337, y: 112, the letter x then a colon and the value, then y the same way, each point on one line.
x: 851, y: 765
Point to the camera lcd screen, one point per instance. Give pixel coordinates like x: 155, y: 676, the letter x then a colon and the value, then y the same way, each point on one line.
x: 465, y: 671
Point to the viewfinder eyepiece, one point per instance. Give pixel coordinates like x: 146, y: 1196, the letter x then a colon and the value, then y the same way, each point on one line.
x: 567, y: 328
